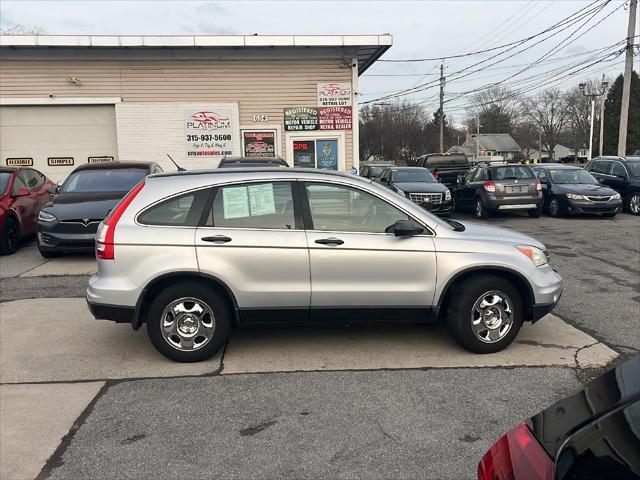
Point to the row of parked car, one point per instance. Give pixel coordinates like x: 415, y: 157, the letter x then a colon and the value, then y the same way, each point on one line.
x: 443, y: 183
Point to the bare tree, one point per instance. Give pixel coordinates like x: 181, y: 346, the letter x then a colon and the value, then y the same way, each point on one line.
x: 22, y: 30
x: 526, y: 134
x: 498, y: 108
x: 549, y: 110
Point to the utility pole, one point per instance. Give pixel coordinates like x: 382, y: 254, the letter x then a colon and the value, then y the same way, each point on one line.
x: 540, y: 140
x: 604, y: 97
x: 626, y: 86
x: 381, y: 106
x: 593, y: 96
x: 442, y: 107
x: 477, y: 137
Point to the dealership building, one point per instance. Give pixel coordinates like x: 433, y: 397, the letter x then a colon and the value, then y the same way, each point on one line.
x: 69, y: 100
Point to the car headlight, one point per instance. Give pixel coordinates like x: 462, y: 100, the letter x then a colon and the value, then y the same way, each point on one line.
x: 615, y: 196
x: 46, y: 217
x: 447, y: 194
x: 575, y: 196
x: 536, y: 255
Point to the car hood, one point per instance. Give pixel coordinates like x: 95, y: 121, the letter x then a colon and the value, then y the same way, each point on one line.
x: 480, y: 232
x: 420, y: 187
x: 74, y: 206
x: 583, y: 189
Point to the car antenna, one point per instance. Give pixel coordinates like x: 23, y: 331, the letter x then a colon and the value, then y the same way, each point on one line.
x: 180, y: 169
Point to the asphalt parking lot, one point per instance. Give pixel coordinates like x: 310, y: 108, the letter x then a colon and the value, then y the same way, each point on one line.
x: 87, y: 399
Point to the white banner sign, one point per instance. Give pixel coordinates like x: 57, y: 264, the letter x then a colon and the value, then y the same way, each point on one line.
x: 209, y: 132
x: 334, y: 94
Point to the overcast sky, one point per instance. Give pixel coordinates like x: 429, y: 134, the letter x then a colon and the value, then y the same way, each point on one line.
x: 421, y: 29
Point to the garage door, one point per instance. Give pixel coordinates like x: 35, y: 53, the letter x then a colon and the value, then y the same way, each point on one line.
x: 57, y: 138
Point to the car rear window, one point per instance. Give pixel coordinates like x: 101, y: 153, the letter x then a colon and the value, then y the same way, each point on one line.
x: 4, y: 181
x: 634, y: 168
x: 454, y: 159
x: 511, y: 172
x: 104, y: 180
x: 182, y: 211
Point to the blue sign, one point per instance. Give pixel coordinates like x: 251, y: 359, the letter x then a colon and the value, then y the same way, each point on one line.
x: 327, y: 154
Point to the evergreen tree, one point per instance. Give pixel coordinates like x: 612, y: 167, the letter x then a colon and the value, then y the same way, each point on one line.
x: 612, y: 117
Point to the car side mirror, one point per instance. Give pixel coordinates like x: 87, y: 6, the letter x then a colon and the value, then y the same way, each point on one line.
x: 22, y: 192
x: 405, y: 228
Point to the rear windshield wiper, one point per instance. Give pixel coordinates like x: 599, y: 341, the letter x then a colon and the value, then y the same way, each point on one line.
x: 457, y: 226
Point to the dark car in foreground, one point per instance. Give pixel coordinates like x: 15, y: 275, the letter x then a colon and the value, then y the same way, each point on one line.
x: 488, y: 188
x: 252, y: 162
x: 373, y: 170
x: 573, y: 190
x: 593, y: 434
x: 419, y: 186
x: 69, y: 222
x: 446, y: 167
x: 23, y: 191
x: 621, y: 174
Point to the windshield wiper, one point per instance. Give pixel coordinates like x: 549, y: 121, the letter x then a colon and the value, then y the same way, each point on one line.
x: 457, y: 226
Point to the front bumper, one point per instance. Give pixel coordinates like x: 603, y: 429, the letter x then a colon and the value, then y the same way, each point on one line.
x: 51, y: 239
x: 547, y: 290
x: 576, y: 207
x: 441, y: 208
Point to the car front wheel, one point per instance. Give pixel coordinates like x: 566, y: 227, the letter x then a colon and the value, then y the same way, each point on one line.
x: 486, y: 313
x: 634, y: 204
x: 188, y: 322
x: 554, y: 208
x: 10, y: 236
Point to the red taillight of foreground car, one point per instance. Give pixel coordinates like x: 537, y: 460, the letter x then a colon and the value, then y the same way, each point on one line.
x: 489, y: 187
x: 516, y: 455
x: 104, y: 242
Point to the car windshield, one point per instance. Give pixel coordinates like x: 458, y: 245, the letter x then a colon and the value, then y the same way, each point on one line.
x: 513, y: 172
x: 103, y: 180
x: 417, y: 175
x: 4, y: 181
x: 634, y: 167
x: 572, y: 176
x: 377, y: 170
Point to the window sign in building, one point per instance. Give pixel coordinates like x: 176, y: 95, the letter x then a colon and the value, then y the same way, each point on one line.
x: 304, y: 153
x: 300, y: 119
x: 327, y: 154
x: 259, y: 143
x: 208, y: 132
x: 334, y: 94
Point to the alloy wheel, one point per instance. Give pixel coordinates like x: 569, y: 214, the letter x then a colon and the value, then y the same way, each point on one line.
x: 187, y: 324
x: 492, y: 316
x: 554, y: 208
x: 11, y: 236
x: 634, y: 204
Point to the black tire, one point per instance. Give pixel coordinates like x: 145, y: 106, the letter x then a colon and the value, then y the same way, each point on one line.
x: 481, y: 211
x: 463, y: 299
x: 536, y: 212
x: 554, y: 208
x: 10, y: 236
x: 633, y: 204
x: 207, y: 295
x: 48, y: 253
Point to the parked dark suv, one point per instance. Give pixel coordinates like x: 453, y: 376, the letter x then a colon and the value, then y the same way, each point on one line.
x: 621, y: 174
x: 573, y: 190
x: 372, y: 170
x: 419, y: 186
x: 446, y: 167
x: 490, y: 187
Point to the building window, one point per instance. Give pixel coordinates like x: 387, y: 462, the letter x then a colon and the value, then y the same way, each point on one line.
x: 320, y: 153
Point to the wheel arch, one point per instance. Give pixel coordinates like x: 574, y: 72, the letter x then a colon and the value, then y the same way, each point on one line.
x: 14, y: 215
x: 158, y: 284
x: 517, y: 279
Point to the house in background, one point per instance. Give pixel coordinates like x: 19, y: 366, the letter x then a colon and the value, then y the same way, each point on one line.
x: 561, y: 154
x: 500, y: 146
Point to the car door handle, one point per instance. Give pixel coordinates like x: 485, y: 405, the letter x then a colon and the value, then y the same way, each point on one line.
x: 330, y: 241
x: 216, y: 239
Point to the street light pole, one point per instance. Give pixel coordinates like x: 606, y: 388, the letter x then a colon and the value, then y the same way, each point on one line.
x: 602, y: 115
x: 593, y: 96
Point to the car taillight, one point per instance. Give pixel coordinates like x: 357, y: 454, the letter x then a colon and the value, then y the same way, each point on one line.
x: 437, y: 174
x: 104, y: 240
x: 490, y: 187
x: 516, y: 455
x: 538, y: 185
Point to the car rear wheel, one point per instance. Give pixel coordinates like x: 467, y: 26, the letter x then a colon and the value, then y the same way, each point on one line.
x: 188, y: 322
x: 10, y: 236
x: 481, y: 210
x: 486, y: 315
x: 554, y: 208
x: 634, y: 204
x: 536, y: 212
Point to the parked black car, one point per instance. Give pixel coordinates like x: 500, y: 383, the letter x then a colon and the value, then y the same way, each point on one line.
x: 491, y: 187
x: 373, y: 170
x: 419, y: 186
x: 446, y: 167
x: 621, y: 174
x: 252, y: 162
x: 593, y: 434
x: 573, y: 190
x: 69, y: 222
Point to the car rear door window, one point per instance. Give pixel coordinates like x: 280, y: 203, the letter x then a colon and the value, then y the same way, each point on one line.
x: 267, y: 205
x: 618, y: 170
x: 343, y: 209
x: 542, y: 175
x: 601, y: 166
x: 35, y: 179
x: 182, y: 211
x: 21, y: 181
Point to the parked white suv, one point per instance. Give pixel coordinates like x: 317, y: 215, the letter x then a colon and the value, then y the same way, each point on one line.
x: 193, y: 253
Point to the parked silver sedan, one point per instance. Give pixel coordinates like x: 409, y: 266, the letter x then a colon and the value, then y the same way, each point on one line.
x: 192, y: 254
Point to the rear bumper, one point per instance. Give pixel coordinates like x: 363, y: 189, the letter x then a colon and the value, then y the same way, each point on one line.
x: 514, y: 203
x: 115, y: 313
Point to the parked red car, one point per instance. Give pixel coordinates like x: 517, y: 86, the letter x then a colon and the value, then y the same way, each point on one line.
x: 23, y: 191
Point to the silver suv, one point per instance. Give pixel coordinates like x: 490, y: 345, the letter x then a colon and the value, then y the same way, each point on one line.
x: 192, y: 254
